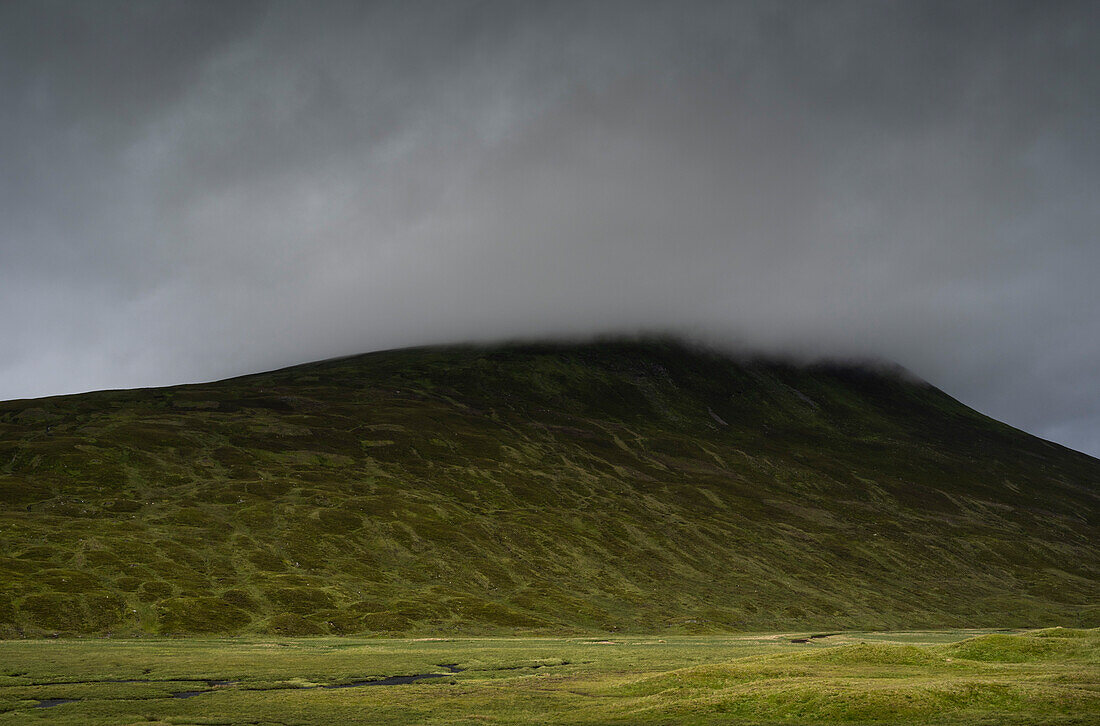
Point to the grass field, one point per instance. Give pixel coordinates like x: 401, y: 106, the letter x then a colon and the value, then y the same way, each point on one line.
x: 938, y: 677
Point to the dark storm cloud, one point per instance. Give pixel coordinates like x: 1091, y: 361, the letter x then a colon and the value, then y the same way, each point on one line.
x: 194, y: 190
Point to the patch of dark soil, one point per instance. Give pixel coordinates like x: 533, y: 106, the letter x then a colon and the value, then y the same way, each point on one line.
x: 391, y: 681
x: 51, y: 702
x: 397, y: 680
x: 524, y: 667
x: 211, y: 687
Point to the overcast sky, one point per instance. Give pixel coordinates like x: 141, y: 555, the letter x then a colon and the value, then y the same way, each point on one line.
x: 193, y: 190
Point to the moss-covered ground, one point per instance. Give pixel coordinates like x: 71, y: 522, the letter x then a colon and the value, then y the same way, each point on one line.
x: 951, y: 677
x: 537, y: 490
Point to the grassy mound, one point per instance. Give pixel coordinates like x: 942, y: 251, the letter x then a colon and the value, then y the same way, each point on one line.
x: 1053, y: 644
x: 710, y: 677
x: 883, y: 682
x: 871, y: 654
x: 1060, y: 632
x: 897, y: 702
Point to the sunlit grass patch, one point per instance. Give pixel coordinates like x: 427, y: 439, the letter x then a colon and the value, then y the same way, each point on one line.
x: 1053, y: 644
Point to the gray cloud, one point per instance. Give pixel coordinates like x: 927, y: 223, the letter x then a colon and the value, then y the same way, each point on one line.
x: 199, y: 189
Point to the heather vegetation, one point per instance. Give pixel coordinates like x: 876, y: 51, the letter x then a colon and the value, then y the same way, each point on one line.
x: 617, y: 487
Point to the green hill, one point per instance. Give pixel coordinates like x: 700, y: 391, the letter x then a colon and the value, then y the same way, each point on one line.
x: 631, y: 486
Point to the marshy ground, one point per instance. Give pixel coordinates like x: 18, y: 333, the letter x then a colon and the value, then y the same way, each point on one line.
x: 1047, y: 676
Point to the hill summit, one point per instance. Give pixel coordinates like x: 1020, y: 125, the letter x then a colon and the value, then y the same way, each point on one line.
x: 611, y: 486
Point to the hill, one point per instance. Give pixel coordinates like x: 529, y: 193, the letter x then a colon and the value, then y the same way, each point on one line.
x: 631, y: 486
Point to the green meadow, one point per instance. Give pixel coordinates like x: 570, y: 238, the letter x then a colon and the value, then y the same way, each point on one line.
x: 1048, y: 676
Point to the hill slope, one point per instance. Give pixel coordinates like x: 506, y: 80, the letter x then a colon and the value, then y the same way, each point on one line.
x: 641, y: 486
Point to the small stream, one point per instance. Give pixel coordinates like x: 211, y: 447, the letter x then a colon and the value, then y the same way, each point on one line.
x: 213, y: 685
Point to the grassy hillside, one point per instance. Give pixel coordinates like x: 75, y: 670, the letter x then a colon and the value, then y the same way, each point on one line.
x: 619, y: 486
